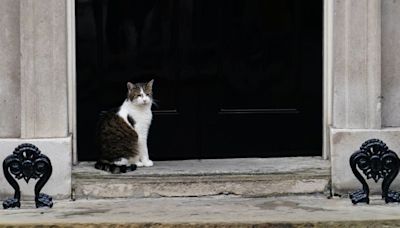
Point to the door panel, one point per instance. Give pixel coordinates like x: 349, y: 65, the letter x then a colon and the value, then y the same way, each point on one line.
x: 233, y: 78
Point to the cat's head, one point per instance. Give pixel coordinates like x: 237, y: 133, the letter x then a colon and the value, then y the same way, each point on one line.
x: 140, y: 93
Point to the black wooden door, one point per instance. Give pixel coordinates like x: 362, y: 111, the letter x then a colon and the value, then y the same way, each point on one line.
x: 233, y: 78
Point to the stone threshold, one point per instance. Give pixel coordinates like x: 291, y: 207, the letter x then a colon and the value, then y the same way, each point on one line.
x: 249, y: 177
x: 219, y: 211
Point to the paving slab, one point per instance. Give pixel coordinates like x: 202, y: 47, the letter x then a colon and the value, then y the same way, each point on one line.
x: 217, y: 211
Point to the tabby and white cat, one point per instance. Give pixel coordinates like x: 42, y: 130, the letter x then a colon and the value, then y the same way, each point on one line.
x: 122, y: 132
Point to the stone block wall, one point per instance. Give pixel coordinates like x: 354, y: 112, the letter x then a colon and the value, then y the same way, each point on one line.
x: 34, y: 86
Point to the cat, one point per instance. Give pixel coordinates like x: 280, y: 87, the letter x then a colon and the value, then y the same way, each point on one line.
x: 121, y: 134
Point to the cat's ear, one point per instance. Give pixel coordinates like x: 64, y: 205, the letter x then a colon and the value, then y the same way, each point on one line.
x: 130, y: 86
x: 150, y: 84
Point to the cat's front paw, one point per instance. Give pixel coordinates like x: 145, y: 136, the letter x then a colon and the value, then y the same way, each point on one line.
x: 139, y: 164
x: 147, y: 163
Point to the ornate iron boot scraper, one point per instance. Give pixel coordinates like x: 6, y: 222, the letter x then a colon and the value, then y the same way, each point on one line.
x: 27, y: 162
x: 376, y: 161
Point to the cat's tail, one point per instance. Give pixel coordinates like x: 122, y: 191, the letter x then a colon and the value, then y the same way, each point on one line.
x: 113, y: 168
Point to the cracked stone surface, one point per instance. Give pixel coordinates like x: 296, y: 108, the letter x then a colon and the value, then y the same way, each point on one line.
x: 219, y: 167
x: 219, y: 211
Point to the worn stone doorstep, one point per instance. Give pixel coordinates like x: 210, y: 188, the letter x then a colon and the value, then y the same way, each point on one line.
x: 243, y: 177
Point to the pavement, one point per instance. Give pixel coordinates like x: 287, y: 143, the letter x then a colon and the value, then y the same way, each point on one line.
x: 217, y: 211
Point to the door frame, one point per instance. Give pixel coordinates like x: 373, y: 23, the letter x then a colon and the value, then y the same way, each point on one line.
x: 328, y: 7
x: 71, y: 74
x: 327, y: 81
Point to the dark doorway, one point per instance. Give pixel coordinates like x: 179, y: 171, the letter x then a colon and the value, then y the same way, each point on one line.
x: 233, y: 78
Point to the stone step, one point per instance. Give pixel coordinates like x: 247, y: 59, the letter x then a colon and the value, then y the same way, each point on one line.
x: 217, y: 211
x: 249, y: 177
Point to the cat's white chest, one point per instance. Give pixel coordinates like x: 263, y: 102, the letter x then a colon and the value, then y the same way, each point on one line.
x: 142, y: 117
x: 142, y: 120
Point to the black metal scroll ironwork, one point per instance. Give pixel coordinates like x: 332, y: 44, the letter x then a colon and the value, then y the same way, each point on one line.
x: 376, y: 161
x: 27, y: 162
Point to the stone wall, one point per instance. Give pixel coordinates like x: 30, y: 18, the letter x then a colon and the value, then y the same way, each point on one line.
x: 10, y: 101
x: 391, y: 63
x: 44, y: 109
x: 34, y: 86
x: 356, y: 64
x: 365, y: 83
